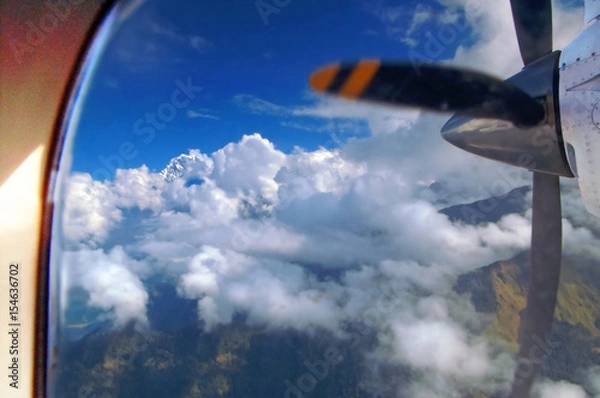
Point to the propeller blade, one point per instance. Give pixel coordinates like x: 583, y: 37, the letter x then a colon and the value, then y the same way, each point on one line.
x: 544, y: 274
x: 533, y: 23
x: 435, y: 88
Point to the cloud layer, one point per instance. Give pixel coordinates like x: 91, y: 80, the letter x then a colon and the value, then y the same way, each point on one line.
x: 305, y: 240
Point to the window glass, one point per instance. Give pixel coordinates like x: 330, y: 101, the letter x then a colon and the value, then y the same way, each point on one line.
x: 224, y: 231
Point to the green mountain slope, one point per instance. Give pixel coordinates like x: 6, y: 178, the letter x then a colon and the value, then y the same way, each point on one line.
x: 500, y: 289
x: 231, y: 361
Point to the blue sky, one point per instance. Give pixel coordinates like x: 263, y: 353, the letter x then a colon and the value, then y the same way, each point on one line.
x: 229, y: 51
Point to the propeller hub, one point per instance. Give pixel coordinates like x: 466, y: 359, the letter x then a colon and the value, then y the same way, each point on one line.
x: 538, y: 148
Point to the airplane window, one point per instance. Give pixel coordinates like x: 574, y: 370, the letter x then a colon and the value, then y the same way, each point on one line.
x: 226, y: 229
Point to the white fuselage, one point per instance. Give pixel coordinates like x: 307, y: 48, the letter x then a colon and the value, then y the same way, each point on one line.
x: 579, y: 99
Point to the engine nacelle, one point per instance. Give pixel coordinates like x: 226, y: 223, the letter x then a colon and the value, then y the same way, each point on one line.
x: 579, y: 99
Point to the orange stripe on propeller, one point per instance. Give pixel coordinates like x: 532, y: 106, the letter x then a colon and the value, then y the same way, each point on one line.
x: 360, y: 78
x: 322, y: 78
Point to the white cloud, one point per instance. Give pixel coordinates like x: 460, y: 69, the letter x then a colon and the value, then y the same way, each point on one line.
x: 112, y: 282
x: 138, y: 188
x: 439, y: 346
x: 255, y: 105
x: 394, y: 19
x: 567, y: 22
x: 306, y: 173
x: 89, y: 210
x: 276, y: 294
x: 201, y: 113
x: 92, y: 208
x: 559, y: 389
x: 248, y: 166
x: 380, y: 119
x: 321, y: 208
x: 200, y: 44
x: 332, y: 115
x: 174, y: 35
x: 497, y: 51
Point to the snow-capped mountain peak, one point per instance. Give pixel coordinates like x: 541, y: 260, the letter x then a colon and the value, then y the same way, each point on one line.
x: 192, y: 164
